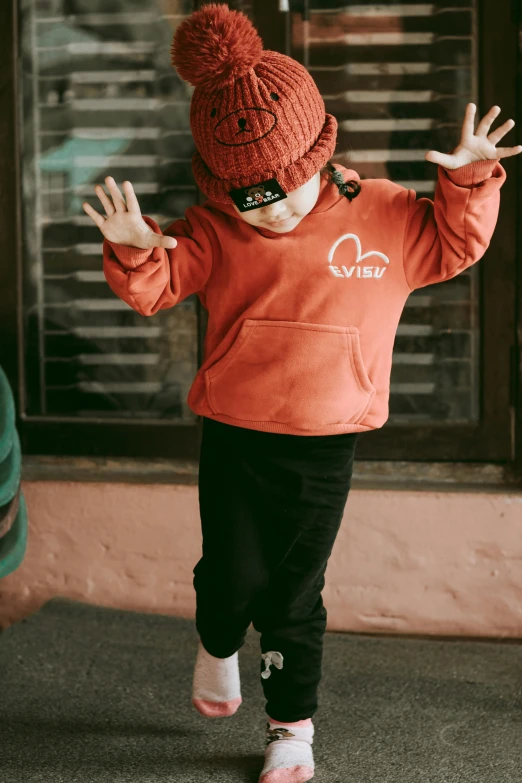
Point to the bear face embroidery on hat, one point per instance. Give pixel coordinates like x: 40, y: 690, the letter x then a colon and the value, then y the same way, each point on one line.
x: 254, y: 122
x: 355, y: 270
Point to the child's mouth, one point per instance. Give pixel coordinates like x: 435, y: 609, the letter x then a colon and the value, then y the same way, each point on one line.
x: 280, y: 222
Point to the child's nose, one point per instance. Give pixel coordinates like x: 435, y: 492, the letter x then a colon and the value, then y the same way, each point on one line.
x: 272, y: 210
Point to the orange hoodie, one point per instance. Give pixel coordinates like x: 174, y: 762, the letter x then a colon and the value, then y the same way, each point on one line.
x: 301, y: 325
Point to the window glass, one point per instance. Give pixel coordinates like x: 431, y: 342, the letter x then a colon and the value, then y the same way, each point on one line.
x: 99, y: 96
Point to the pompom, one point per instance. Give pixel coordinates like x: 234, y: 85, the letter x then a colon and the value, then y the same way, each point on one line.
x: 215, y: 45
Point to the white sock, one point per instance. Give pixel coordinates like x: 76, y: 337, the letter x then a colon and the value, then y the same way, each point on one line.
x: 216, y: 689
x: 288, y: 756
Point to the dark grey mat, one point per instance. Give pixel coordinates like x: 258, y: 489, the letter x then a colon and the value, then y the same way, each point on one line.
x: 90, y: 695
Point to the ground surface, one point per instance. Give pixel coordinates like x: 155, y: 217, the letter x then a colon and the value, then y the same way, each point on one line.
x: 89, y: 695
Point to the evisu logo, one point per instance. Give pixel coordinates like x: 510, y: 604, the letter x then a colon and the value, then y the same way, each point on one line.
x: 356, y: 270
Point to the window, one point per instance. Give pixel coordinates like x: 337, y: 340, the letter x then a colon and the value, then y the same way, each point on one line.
x: 96, y: 95
x: 398, y: 77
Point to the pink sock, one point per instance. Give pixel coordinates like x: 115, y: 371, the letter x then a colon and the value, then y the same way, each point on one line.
x: 288, y: 756
x: 216, y: 690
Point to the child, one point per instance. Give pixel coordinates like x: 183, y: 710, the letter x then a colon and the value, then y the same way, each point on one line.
x: 304, y: 273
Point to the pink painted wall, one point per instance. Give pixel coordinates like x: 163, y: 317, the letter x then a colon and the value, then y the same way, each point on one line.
x: 407, y: 562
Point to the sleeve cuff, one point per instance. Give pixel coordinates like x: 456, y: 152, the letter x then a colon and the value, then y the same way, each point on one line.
x: 130, y: 257
x: 472, y: 173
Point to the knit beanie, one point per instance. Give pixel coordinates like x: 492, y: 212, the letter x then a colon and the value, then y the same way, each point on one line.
x: 255, y: 114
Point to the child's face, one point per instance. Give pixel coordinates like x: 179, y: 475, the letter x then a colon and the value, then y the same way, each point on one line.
x: 283, y: 216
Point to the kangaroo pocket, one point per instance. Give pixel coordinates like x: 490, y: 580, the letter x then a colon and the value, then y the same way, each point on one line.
x: 303, y: 375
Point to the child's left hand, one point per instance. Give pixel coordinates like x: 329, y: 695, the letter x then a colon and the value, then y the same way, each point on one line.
x: 478, y: 145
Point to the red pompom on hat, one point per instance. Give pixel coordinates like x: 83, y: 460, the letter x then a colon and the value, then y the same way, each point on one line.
x: 255, y: 114
x: 215, y: 46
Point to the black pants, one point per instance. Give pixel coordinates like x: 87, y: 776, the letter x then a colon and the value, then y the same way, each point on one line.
x: 271, y: 505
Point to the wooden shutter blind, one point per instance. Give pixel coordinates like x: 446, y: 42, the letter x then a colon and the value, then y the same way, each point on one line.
x: 100, y: 97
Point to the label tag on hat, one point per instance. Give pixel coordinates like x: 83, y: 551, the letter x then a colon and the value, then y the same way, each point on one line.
x: 256, y: 196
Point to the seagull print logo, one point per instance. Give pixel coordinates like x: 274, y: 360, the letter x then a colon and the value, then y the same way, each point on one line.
x: 356, y: 270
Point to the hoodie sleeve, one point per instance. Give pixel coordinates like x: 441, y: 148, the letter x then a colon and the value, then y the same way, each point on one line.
x: 445, y: 236
x: 158, y: 278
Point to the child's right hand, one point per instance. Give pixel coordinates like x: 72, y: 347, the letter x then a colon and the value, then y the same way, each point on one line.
x: 124, y: 223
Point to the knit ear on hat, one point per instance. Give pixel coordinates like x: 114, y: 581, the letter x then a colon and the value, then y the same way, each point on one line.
x: 215, y: 45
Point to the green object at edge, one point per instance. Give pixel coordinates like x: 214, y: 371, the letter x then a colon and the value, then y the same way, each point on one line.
x: 11, y: 472
x: 14, y: 544
x: 7, y: 416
